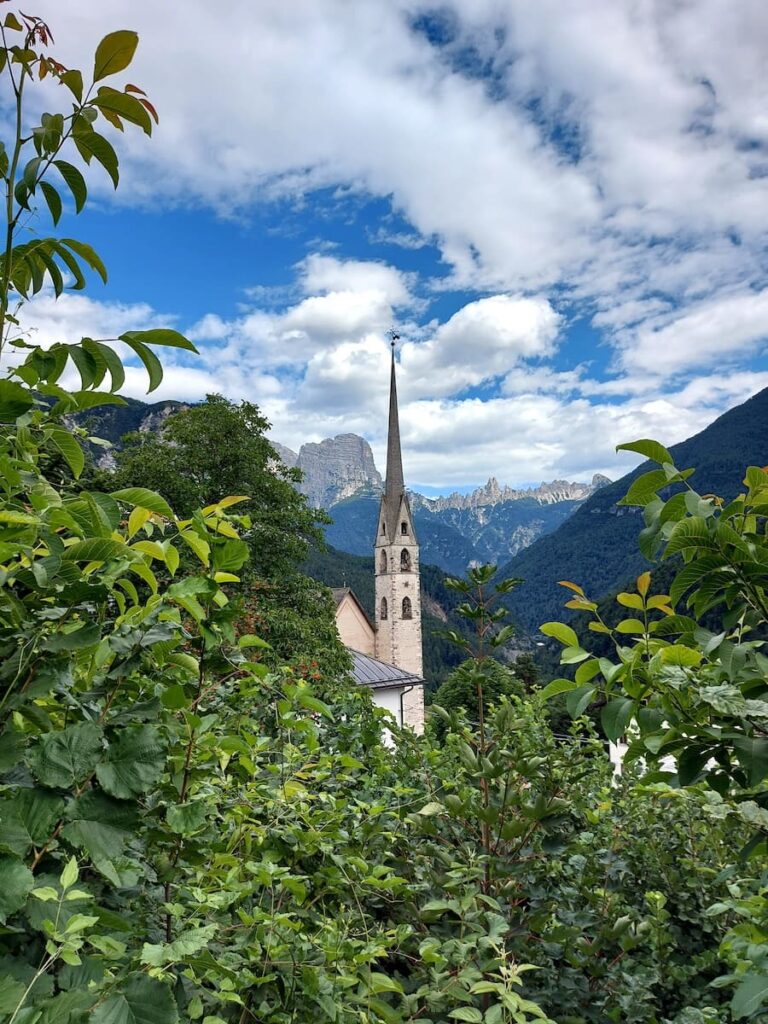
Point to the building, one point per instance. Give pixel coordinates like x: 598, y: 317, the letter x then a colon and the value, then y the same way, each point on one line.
x: 387, y: 653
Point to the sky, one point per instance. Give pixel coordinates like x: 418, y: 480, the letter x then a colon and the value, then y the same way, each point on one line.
x: 560, y: 207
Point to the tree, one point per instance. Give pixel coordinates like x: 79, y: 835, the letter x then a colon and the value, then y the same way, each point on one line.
x: 218, y: 447
x: 690, y: 693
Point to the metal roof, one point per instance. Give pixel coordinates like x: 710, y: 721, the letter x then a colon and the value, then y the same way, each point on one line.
x: 367, y: 671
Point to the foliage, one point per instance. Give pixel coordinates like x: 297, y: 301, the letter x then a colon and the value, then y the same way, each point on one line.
x: 695, y: 696
x: 460, y: 690
x: 217, y: 448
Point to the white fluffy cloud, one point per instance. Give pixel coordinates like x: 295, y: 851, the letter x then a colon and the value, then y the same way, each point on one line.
x: 611, y: 153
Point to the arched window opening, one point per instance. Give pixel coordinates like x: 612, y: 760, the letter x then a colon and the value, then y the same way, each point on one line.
x: 404, y: 529
x: 383, y: 527
x: 407, y: 608
x: 405, y: 560
x: 383, y: 608
x: 383, y: 562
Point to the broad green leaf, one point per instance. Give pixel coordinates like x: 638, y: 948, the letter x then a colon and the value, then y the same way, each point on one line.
x: 467, y: 1013
x: 151, y: 363
x: 69, y: 448
x: 688, y: 533
x: 185, y: 819
x: 100, y: 549
x: 53, y: 199
x: 557, y: 686
x: 750, y: 996
x: 642, y: 491
x: 111, y: 102
x: 752, y: 754
x: 578, y: 700
x: 114, y: 53
x: 251, y: 640
x: 15, y: 400
x: 616, y: 716
x: 172, y: 339
x: 560, y: 632
x: 27, y: 818
x: 133, y: 764
x: 69, y: 875
x: 383, y: 983
x: 186, y: 945
x: 650, y: 449
x: 430, y: 809
x: 141, y: 1001
x: 630, y: 600
x: 65, y: 759
x: 11, y: 993
x: 142, y: 497
x: 16, y: 881
x: 75, y: 182
x: 87, y: 253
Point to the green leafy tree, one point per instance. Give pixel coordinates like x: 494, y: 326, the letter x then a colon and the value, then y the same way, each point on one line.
x: 691, y: 694
x: 218, y: 447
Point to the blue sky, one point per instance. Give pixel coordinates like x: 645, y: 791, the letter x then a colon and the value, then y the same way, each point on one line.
x: 562, y: 208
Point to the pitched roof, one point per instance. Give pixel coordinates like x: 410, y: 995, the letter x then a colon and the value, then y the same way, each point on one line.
x: 368, y: 671
x: 339, y: 593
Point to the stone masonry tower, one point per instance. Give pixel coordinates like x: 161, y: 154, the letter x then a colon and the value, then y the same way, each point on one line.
x: 396, y: 554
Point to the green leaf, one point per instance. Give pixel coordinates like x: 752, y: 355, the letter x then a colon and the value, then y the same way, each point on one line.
x: 750, y: 996
x: 688, y: 533
x: 185, y: 819
x: 69, y: 448
x: 53, y: 199
x: 557, y: 686
x: 151, y: 363
x: 643, y: 490
x: 650, y: 449
x: 383, y: 983
x: 87, y: 253
x: 69, y: 875
x: 67, y: 758
x: 114, y: 53
x: 16, y: 881
x: 142, y: 1001
x: 11, y: 994
x: 578, y: 700
x: 560, y: 632
x: 467, y: 1013
x: 99, y: 549
x: 142, y: 497
x: 133, y: 764
x: 74, y: 181
x: 430, y: 809
x: 160, y: 336
x: 616, y: 716
x: 91, y: 144
x: 123, y: 105
x: 185, y: 946
x: 753, y: 758
x: 15, y: 400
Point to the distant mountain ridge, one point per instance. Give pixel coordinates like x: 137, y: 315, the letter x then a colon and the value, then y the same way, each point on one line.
x: 491, y: 524
x: 597, y: 546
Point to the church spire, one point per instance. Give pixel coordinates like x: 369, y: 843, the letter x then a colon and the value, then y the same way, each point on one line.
x: 395, y: 483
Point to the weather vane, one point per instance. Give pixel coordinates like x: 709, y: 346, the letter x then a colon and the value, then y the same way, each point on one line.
x: 393, y: 336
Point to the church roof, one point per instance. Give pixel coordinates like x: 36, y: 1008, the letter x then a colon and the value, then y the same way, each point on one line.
x: 394, y: 485
x: 339, y: 593
x: 368, y: 671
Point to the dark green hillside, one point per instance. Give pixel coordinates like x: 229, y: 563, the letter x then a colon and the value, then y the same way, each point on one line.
x: 113, y: 422
x: 597, y: 546
x: 338, y: 568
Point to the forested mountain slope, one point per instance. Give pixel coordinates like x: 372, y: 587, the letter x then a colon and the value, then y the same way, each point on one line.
x: 597, y: 545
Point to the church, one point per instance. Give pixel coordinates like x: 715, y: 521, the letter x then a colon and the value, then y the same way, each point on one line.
x: 387, y: 653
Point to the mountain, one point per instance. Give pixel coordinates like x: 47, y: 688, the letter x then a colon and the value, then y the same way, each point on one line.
x: 491, y: 524
x: 335, y: 469
x: 597, y: 546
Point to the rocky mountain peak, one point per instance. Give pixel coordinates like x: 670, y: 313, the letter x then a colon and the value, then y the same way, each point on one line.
x: 337, y: 468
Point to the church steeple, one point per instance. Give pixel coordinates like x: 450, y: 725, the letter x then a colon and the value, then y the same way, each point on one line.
x: 394, y: 487
x: 396, y: 554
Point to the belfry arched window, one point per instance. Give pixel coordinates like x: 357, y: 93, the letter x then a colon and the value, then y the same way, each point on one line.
x: 404, y: 529
x: 383, y: 527
x: 383, y: 614
x: 407, y: 608
x: 383, y: 561
x: 405, y: 560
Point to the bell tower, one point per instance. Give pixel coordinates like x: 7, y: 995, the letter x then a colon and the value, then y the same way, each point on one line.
x: 396, y: 555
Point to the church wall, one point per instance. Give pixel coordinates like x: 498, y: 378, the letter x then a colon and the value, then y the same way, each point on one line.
x: 354, y: 629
